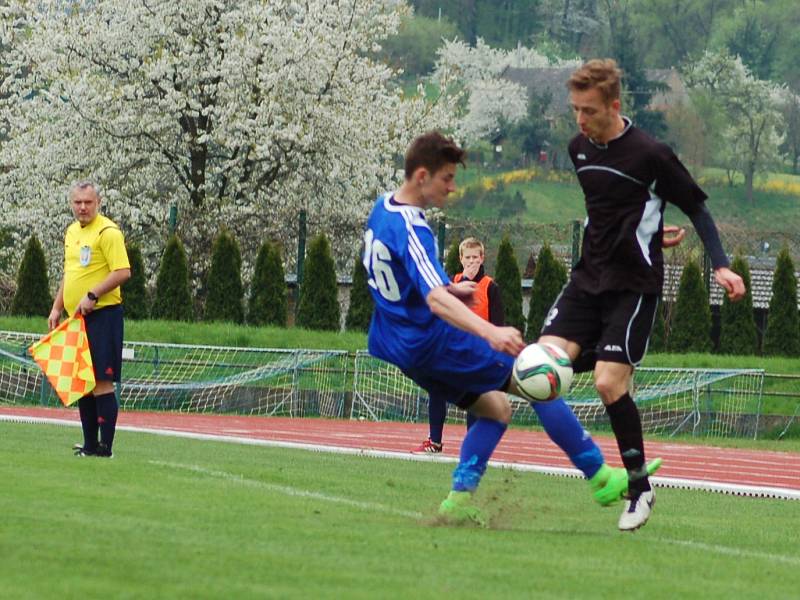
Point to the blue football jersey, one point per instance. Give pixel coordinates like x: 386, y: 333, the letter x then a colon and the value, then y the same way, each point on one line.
x: 400, y: 257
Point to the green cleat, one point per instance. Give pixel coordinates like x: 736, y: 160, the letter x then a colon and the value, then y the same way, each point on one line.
x: 457, y: 509
x: 610, y: 484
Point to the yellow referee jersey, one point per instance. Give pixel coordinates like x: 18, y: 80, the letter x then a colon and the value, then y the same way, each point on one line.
x: 90, y: 254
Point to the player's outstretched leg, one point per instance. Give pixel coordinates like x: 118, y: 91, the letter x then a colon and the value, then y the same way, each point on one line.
x: 476, y: 449
x: 608, y: 484
x: 567, y: 433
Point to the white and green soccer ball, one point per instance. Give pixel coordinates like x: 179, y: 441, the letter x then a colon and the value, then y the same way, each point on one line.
x: 542, y: 372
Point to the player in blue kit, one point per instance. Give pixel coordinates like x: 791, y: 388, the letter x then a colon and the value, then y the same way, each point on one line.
x: 422, y: 325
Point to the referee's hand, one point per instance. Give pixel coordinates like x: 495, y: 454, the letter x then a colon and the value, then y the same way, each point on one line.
x: 53, y: 319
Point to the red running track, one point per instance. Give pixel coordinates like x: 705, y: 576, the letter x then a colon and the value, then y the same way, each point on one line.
x: 729, y: 470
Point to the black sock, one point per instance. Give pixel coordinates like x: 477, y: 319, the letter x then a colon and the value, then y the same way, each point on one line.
x: 107, y: 410
x: 87, y: 408
x: 437, y: 413
x: 627, y: 426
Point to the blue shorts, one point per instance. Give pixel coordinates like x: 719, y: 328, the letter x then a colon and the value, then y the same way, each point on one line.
x: 464, y: 367
x: 104, y: 330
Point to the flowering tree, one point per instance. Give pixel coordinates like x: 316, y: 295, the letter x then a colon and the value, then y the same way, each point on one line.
x: 240, y: 112
x: 752, y: 123
x: 490, y: 99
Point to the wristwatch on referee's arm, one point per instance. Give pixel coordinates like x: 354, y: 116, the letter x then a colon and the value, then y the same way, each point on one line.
x: 90, y: 294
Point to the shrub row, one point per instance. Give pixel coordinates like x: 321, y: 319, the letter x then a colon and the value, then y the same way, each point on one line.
x: 686, y: 327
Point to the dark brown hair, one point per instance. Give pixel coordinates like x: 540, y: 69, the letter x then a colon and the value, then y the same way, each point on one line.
x: 432, y: 151
x: 600, y: 73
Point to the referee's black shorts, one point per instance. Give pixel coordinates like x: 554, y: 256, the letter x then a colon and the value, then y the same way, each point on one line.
x: 612, y: 326
x: 104, y: 329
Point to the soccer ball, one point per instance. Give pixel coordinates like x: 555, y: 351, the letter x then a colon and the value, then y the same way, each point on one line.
x: 542, y: 372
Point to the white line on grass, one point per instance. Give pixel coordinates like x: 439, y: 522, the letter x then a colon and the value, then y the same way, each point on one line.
x: 669, y: 482
x: 730, y: 551
x: 289, y: 491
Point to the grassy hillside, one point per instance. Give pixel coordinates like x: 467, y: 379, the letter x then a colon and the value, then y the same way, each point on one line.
x: 555, y: 197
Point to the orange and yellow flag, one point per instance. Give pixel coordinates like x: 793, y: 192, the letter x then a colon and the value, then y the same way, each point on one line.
x: 63, y: 355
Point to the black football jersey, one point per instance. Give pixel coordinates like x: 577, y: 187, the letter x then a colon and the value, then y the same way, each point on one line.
x: 626, y: 184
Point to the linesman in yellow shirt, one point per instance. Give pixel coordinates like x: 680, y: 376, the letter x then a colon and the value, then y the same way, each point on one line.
x: 95, y: 265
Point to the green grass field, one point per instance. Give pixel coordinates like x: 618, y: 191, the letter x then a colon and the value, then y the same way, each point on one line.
x: 175, y: 518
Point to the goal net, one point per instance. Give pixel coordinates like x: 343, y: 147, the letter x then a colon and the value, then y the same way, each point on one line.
x: 195, y: 378
x: 710, y: 402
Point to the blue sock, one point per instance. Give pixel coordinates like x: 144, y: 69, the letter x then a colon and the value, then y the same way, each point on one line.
x: 565, y: 430
x: 437, y: 413
x: 476, y: 449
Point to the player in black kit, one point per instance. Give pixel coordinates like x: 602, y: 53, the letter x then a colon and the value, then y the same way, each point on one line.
x: 606, y: 311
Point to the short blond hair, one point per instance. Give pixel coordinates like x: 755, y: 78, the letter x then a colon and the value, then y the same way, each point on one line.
x: 600, y: 73
x: 470, y: 242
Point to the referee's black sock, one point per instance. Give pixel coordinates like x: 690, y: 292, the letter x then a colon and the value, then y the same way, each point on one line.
x: 107, y: 410
x: 627, y: 426
x: 87, y: 408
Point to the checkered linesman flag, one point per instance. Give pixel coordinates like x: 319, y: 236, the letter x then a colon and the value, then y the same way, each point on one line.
x: 64, y: 357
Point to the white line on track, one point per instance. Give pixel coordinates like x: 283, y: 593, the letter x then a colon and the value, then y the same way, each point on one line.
x: 669, y: 482
x: 288, y: 490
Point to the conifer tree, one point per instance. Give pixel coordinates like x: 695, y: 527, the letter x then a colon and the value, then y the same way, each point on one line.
x: 548, y: 279
x: 782, y: 336
x: 32, y: 297
x: 738, y: 333
x: 172, y: 299
x: 359, y: 313
x: 134, y: 294
x: 225, y: 290
x: 319, y: 304
x: 508, y: 280
x: 452, y: 262
x: 267, y: 302
x: 691, y: 326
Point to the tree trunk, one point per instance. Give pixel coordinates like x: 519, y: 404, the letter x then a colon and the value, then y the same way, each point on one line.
x: 748, y: 182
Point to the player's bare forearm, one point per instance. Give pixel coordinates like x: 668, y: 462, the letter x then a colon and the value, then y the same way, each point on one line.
x: 112, y: 280
x: 464, y: 291
x: 449, y: 308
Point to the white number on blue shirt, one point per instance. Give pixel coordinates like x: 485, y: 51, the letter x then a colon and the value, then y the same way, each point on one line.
x: 377, y: 259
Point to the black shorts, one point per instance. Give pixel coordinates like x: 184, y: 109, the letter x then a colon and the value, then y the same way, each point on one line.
x: 104, y: 330
x: 611, y: 326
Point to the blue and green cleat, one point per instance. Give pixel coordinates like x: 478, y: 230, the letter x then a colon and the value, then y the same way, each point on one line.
x: 610, y: 484
x: 458, y: 509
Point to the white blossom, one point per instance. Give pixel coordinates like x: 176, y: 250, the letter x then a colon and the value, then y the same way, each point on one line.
x: 239, y: 112
x: 477, y: 72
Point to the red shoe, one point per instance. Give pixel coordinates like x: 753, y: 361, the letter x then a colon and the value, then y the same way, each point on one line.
x: 428, y: 447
